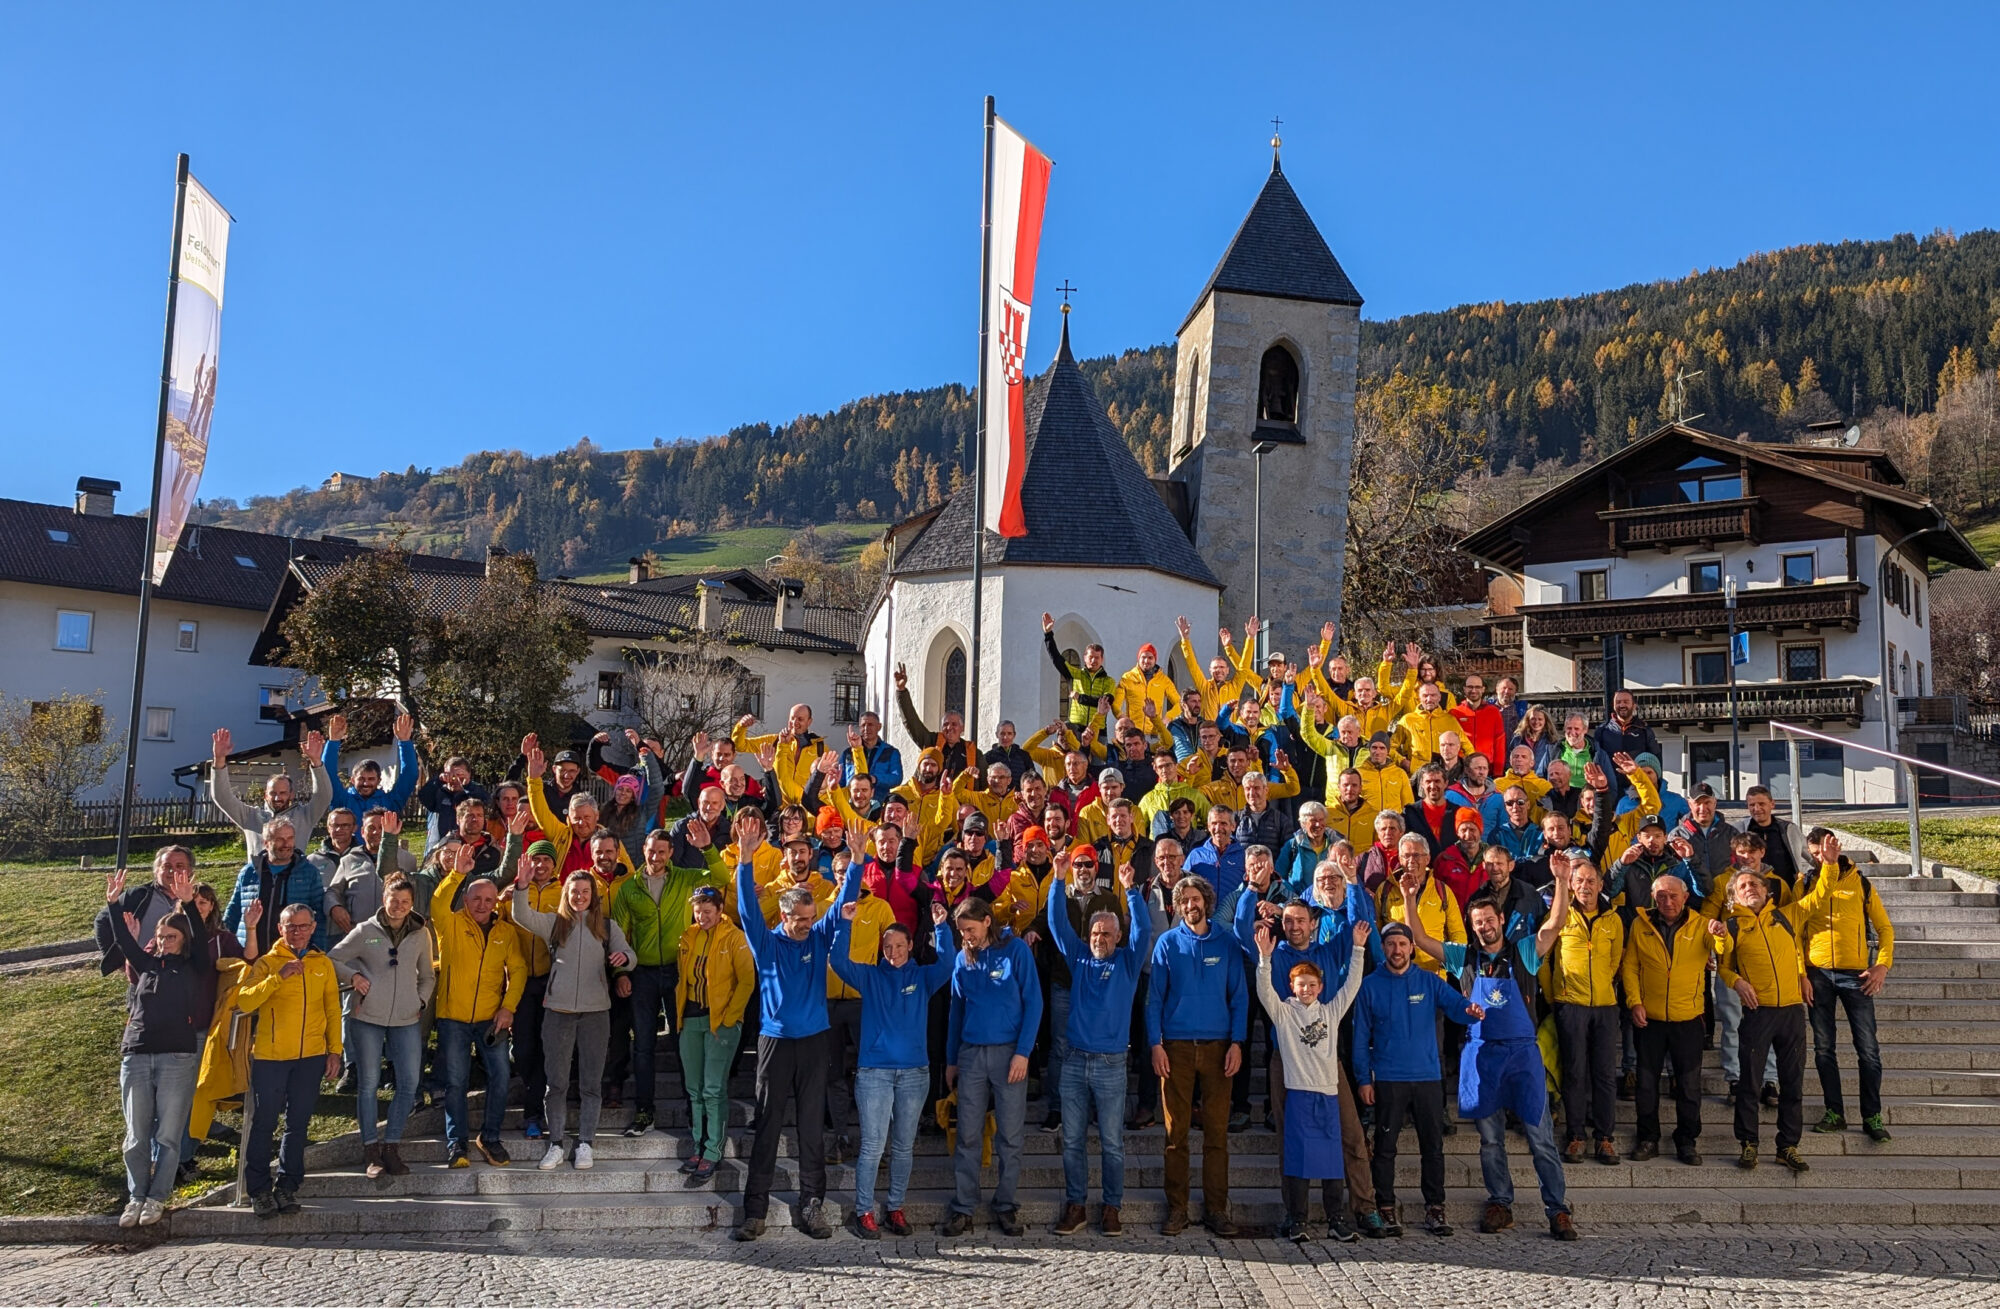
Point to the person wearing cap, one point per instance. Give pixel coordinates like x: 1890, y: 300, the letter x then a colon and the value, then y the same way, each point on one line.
x: 1665, y: 972
x: 1124, y: 843
x: 1480, y: 720
x: 715, y: 980
x: 1838, y: 910
x: 1672, y: 806
x: 1385, y: 783
x: 1396, y: 1069
x: 1589, y: 948
x: 1146, y: 694
x: 1088, y: 894
x: 1652, y: 854
x: 1610, y: 833
x: 1708, y: 837
x: 1092, y: 821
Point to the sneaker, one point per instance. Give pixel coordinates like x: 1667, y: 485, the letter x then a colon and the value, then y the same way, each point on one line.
x: 493, y: 1152
x: 1607, y: 1153
x: 1220, y: 1224
x: 1109, y: 1222
x: 897, y: 1224
x: 552, y: 1158
x: 1338, y: 1229
x: 747, y: 1230
x: 533, y: 1129
x: 1497, y: 1218
x: 1562, y: 1227
x: 812, y: 1220
x: 1370, y: 1225
x: 346, y: 1084
x: 1770, y: 1095
x: 701, y: 1174
x: 1392, y: 1222
x: 1434, y: 1222
x: 264, y: 1206
x: 392, y: 1155
x: 287, y: 1198
x: 867, y: 1228
x: 642, y: 1123
x: 1873, y: 1125
x: 1053, y: 1123
x: 1689, y: 1155
x: 374, y: 1165
x: 152, y: 1212
x: 187, y: 1171
x: 690, y: 1163
x: 1072, y: 1221
x: 1291, y: 1229
x: 1644, y: 1150
x: 1009, y: 1222
x: 1830, y: 1122
x: 583, y: 1159
x: 456, y: 1157
x: 130, y: 1218
x: 1239, y: 1121
x: 1789, y: 1156
x: 1573, y: 1152
x: 955, y: 1224
x: 1747, y: 1160
x: 1176, y: 1223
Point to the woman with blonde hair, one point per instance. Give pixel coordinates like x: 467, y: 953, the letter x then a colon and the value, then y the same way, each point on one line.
x: 586, y: 948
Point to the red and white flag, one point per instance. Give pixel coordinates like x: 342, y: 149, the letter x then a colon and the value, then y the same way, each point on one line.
x: 1020, y: 186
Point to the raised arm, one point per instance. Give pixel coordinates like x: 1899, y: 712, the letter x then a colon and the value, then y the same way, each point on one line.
x: 1545, y: 938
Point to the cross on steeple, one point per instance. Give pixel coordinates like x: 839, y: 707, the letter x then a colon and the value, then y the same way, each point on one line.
x: 1276, y: 141
x: 1065, y: 289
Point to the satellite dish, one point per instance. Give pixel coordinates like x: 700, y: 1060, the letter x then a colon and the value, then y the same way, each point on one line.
x: 1852, y: 436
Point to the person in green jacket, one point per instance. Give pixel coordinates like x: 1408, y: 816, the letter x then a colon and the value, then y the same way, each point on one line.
x: 651, y: 908
x: 1088, y: 683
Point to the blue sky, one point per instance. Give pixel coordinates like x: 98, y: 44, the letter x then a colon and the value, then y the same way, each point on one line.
x: 469, y: 227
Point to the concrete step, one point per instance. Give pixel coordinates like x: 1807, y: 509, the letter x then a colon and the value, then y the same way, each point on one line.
x: 1985, y: 950
x: 1985, y: 931
x: 1898, y: 900
x: 1911, y: 969
x: 1897, y: 1009
x: 1921, y: 988
x: 1926, y: 909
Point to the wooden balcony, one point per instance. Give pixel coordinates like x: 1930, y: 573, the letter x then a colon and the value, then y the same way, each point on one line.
x: 1814, y: 704
x: 1671, y: 527
x: 1703, y: 616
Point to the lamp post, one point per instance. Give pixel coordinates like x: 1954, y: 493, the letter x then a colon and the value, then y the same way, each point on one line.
x: 1735, y: 726
x: 1259, y: 450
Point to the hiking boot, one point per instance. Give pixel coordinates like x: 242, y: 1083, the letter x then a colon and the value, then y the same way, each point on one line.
x: 1562, y: 1227
x: 1573, y: 1152
x: 130, y: 1218
x: 747, y: 1230
x: 188, y: 1169
x: 700, y: 1175
x: 1220, y: 1224
x: 1141, y: 1120
x: 1789, y: 1156
x: 898, y: 1225
x: 1434, y: 1222
x: 264, y: 1206
x: 456, y: 1157
x: 1644, y: 1150
x: 1392, y: 1223
x: 1339, y: 1229
x: 955, y: 1224
x: 1497, y: 1218
x: 1177, y: 1221
x: 346, y: 1084
x: 1369, y: 1223
x: 1628, y: 1086
x: 1109, y: 1221
x: 812, y: 1220
x: 287, y: 1198
x: 493, y: 1152
x: 1607, y: 1153
x: 553, y: 1157
x: 392, y: 1158
x: 375, y: 1165
x: 1239, y: 1121
x: 1873, y: 1125
x: 1291, y: 1229
x: 690, y: 1163
x: 1688, y: 1155
x: 1769, y: 1096
x: 1072, y: 1221
x: 1830, y: 1122
x: 1748, y: 1159
x: 642, y: 1123
x: 1009, y: 1222
x: 867, y: 1228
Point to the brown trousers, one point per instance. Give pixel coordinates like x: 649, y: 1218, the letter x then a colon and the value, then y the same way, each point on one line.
x: 1192, y: 1063
x: 1353, y: 1145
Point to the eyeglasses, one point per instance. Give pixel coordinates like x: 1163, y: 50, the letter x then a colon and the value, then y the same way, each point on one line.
x: 1085, y: 865
x: 1516, y: 804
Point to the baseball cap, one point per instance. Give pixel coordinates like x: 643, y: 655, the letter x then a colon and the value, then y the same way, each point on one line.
x: 1110, y: 775
x: 565, y: 757
x: 1652, y: 820
x: 974, y: 823
x: 1397, y: 929
x: 1703, y: 791
x: 1275, y: 657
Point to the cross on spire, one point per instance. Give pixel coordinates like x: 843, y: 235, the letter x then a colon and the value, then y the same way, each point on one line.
x: 1276, y: 141
x: 1065, y: 289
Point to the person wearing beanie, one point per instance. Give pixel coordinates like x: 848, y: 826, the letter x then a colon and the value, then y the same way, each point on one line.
x: 1146, y: 694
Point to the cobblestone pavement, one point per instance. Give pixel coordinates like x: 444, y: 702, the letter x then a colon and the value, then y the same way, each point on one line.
x: 1732, y: 1266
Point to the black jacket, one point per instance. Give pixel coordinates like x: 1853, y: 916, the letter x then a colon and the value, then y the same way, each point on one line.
x: 165, y: 1009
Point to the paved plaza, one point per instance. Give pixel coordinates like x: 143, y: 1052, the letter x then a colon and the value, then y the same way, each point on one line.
x: 1613, y: 1266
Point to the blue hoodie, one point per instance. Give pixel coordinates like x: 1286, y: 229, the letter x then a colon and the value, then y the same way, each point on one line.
x: 386, y: 797
x: 1395, y: 1034
x: 1331, y: 952
x: 996, y: 998
x: 1198, y: 992
x: 1101, y: 990
x: 791, y: 975
x: 895, y: 1002
x: 1357, y: 906
x: 1223, y: 869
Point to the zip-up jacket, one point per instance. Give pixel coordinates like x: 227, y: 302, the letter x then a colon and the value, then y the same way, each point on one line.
x: 1298, y: 860
x: 398, y: 991
x: 1437, y: 910
x: 1086, y: 687
x: 996, y: 997
x: 653, y: 927
x: 895, y: 1001
x: 1588, y: 951
x: 1667, y: 970
x: 1198, y: 991
x: 580, y: 967
x: 1101, y: 990
x: 166, y: 1007
x: 1395, y: 1033
x: 795, y: 758
x: 1835, y: 909
x: 721, y: 955
x: 1763, y: 948
x: 479, y: 969
x: 392, y: 797
x: 791, y: 975
x: 298, y: 1017
x: 278, y: 887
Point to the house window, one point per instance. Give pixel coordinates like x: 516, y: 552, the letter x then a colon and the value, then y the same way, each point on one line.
x: 271, y: 704
x: 73, y: 629
x: 1702, y: 480
x: 954, y: 681
x: 1799, y: 570
x: 610, y: 691
x: 1708, y: 667
x: 1590, y: 673
x: 1704, y: 576
x: 159, y: 724
x: 1805, y: 662
x: 1917, y: 603
x: 1920, y: 678
x: 1890, y: 672
x: 1903, y: 670
x: 750, y: 697
x: 58, y: 536
x: 1068, y: 689
x: 846, y: 700
x: 1593, y: 585
x: 184, y: 639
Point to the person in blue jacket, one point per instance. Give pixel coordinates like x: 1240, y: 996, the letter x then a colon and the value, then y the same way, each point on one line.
x: 1104, y: 978
x: 1197, y: 1012
x: 368, y: 792
x: 893, y: 1078
x: 996, y: 1008
x: 1396, y: 1069
x: 791, y: 1048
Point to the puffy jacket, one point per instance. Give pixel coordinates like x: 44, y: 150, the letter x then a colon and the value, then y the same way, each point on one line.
x: 1763, y: 948
x: 294, y: 883
x: 1387, y: 787
x: 166, y: 1010
x: 1672, y: 986
x: 1587, y: 956
x: 478, y: 970
x: 1835, y: 909
x: 298, y: 1017
x: 722, y: 955
x: 1403, y: 695
x: 398, y: 991
x: 1136, y: 688
x: 794, y: 763
x: 1417, y: 733
x: 1484, y: 729
x: 1085, y: 687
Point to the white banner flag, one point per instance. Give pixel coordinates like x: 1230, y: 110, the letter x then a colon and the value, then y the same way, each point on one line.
x: 1014, y: 225
x: 202, y: 259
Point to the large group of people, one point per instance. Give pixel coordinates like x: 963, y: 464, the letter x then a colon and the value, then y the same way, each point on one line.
x: 1394, y: 897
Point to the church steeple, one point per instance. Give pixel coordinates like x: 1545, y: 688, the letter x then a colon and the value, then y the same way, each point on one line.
x: 1278, y: 252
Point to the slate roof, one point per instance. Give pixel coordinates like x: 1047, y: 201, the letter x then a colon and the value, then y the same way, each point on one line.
x: 1278, y: 252
x: 1087, y: 501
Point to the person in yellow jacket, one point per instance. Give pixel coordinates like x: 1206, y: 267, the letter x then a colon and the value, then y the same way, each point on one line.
x: 1837, y: 907
x: 1584, y: 972
x: 1385, y: 783
x: 1420, y: 671
x: 1227, y: 790
x: 1521, y: 772
x: 1345, y: 749
x: 995, y: 802
x: 932, y: 810
x: 1610, y: 832
x: 482, y: 973
x: 1229, y: 672
x: 1146, y: 694
x: 1349, y: 816
x: 717, y: 978
x: 1665, y: 972
x: 1418, y: 731
x: 295, y: 993
x: 797, y: 747
x: 1762, y: 957
x: 1438, y: 909
x: 798, y: 867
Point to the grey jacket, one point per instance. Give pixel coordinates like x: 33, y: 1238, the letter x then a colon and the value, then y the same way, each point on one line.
x: 396, y: 994
x: 305, y: 812
x: 355, y: 884
x: 579, y: 976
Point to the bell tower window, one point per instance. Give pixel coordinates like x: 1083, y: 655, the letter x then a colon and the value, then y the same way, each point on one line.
x: 1278, y: 389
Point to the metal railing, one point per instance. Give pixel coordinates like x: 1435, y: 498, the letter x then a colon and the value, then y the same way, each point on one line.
x: 1910, y: 766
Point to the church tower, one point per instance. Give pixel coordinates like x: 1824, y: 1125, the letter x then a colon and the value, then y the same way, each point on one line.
x: 1267, y: 361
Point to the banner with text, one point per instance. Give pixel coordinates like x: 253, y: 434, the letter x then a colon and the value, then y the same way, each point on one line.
x: 197, y: 343
x: 1020, y: 187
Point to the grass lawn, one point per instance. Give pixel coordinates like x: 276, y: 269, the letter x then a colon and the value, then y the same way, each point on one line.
x: 743, y: 547
x: 1969, y: 843
x: 41, y: 903
x: 60, y: 1127
x: 1985, y: 538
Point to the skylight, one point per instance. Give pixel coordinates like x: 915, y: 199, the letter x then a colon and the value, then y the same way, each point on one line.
x: 58, y: 535
x: 245, y: 561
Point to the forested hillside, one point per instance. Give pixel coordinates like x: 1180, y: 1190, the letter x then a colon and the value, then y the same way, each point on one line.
x: 1905, y: 332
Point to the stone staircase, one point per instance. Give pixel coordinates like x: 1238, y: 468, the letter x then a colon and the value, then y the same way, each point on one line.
x: 1938, y: 1020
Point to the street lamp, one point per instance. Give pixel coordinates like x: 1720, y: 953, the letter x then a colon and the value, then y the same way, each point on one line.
x: 1259, y: 450
x: 1735, y: 726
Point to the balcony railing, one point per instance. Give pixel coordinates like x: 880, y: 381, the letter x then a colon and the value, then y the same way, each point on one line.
x: 1706, y: 707
x: 1668, y: 527
x: 1762, y: 609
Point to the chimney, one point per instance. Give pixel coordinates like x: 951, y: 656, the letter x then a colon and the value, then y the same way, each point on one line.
x: 708, y: 602
x: 95, y: 496
x: 789, y: 589
x: 640, y: 570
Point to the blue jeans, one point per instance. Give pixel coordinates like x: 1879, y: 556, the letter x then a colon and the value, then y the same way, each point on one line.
x: 1093, y: 1088
x: 457, y: 1042
x: 406, y: 1054
x: 1842, y: 986
x: 891, y: 1104
x: 157, y: 1091
x: 1541, y: 1145
x: 983, y: 1085
x: 1728, y: 1041
x: 1052, y: 1074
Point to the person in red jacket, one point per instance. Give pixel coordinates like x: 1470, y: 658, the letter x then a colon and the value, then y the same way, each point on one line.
x: 1484, y: 725
x: 1458, y: 865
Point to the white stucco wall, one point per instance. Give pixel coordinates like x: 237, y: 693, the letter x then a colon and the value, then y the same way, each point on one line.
x: 790, y: 678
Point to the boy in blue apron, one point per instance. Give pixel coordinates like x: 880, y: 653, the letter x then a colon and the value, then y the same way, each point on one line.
x: 1501, y: 1069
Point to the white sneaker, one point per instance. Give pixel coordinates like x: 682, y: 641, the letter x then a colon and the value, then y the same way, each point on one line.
x: 152, y: 1213
x: 552, y: 1157
x: 130, y: 1218
x: 583, y: 1159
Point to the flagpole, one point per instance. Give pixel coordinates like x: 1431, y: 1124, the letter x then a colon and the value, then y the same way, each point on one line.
x: 979, y: 452
x: 133, y: 725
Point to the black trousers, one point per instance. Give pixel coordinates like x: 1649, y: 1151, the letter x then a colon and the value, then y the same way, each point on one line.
x: 791, y: 1074
x: 1591, y: 1047
x: 1783, y: 1029
x: 1659, y: 1043
x: 843, y: 1049
x: 528, y: 1061
x: 651, y: 1005
x: 1239, y: 1085
x: 938, y: 1024
x: 618, y: 1047
x: 1298, y: 1197
x: 1423, y: 1104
